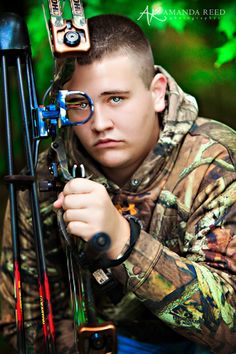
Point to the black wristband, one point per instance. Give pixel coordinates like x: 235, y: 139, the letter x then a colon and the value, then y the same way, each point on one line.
x: 135, y: 228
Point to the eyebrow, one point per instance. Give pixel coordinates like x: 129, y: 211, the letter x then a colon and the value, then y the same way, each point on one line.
x: 114, y: 92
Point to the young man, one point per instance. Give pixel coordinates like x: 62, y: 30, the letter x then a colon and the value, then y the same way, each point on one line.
x: 148, y: 155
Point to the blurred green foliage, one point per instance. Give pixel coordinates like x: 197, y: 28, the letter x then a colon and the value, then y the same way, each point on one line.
x: 227, y: 25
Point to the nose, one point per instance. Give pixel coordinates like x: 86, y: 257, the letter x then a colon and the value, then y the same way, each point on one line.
x: 101, y: 119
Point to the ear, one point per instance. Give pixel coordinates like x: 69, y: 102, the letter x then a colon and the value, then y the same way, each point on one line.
x: 158, y: 90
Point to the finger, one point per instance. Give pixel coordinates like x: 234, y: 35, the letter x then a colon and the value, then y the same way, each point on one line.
x: 80, y: 215
x: 80, y: 229
x: 81, y: 185
x: 58, y: 203
x: 77, y: 201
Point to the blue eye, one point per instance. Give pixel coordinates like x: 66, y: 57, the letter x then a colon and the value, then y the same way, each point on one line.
x: 77, y: 105
x: 82, y: 105
x: 116, y: 99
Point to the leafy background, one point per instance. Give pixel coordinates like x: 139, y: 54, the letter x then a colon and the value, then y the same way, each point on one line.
x: 198, y: 50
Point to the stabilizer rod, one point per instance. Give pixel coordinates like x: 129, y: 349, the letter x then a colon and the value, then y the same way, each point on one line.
x: 15, y: 52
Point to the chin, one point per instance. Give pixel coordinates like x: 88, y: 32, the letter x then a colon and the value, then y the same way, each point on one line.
x: 112, y: 164
x: 112, y: 160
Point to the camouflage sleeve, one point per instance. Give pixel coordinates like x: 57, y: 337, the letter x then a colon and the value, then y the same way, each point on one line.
x: 56, y: 267
x: 193, y: 290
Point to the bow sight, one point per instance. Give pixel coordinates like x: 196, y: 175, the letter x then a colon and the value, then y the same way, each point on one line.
x: 71, y: 108
x: 66, y: 38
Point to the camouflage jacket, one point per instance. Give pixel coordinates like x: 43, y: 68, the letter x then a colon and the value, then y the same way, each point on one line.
x: 179, y: 280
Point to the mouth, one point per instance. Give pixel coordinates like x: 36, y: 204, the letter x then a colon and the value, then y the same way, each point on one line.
x: 102, y: 143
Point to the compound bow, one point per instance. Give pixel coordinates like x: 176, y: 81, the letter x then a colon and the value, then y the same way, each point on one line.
x: 67, y: 37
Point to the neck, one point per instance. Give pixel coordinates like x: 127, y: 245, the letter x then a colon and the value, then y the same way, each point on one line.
x: 118, y: 176
x: 121, y: 175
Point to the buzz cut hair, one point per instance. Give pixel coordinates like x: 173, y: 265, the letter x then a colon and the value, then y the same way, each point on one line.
x: 110, y: 34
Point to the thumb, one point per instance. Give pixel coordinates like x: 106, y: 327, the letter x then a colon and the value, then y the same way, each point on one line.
x: 58, y: 203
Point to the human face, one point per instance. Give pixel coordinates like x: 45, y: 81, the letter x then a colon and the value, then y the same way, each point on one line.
x: 124, y: 127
